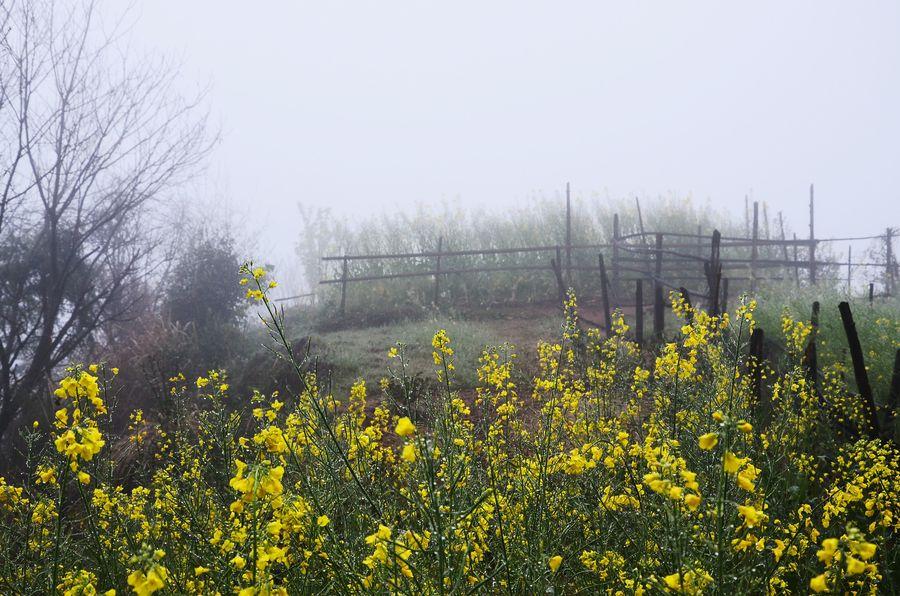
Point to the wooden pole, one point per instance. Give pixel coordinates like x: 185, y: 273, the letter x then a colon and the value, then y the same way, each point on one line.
x: 871, y: 294
x: 343, y: 286
x: 859, y: 368
x: 639, y: 312
x: 604, y: 292
x: 659, y: 314
x: 437, y: 269
x: 784, y: 249
x: 714, y: 272
x: 754, y: 249
x: 796, y: 262
x: 849, y: 265
x: 659, y: 257
x: 893, y: 396
x: 810, y: 357
x: 568, y: 235
x: 889, y: 262
x: 640, y: 221
x: 615, y: 255
x: 812, y: 236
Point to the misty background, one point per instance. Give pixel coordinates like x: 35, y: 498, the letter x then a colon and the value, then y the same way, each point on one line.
x: 371, y: 106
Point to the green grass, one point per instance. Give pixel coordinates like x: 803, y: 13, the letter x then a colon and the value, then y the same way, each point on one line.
x: 878, y: 326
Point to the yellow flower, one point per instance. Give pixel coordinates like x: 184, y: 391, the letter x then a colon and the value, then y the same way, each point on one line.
x: 673, y: 581
x: 322, y: 521
x: 238, y: 561
x: 200, y: 570
x: 554, y: 563
x: 778, y: 551
x: 818, y: 584
x: 692, y: 501
x: 708, y: 441
x: 409, y: 452
x: 751, y: 515
x: 84, y: 477
x: 854, y: 566
x: 146, y: 584
x: 745, y: 427
x: 732, y: 462
x: 865, y: 550
x: 405, y: 427
x: 829, y: 547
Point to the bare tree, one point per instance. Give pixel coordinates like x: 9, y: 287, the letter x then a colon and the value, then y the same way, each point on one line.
x: 89, y: 140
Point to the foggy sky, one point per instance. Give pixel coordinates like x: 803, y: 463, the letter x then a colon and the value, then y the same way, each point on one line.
x: 364, y: 106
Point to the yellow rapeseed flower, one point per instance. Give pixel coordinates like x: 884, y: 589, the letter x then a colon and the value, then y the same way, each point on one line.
x: 405, y: 427
x: 708, y: 441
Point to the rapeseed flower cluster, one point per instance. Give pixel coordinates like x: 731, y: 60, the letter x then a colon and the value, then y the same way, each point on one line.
x: 606, y: 469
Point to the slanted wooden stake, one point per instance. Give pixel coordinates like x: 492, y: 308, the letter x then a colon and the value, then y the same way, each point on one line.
x: 859, y: 368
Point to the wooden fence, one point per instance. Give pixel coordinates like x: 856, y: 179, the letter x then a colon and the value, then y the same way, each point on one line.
x: 667, y: 260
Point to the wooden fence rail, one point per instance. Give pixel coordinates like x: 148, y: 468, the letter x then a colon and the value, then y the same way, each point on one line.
x: 671, y: 259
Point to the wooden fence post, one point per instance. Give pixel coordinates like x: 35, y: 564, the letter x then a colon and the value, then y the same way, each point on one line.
x: 893, y: 396
x: 568, y: 235
x: 437, y: 270
x: 713, y: 270
x: 615, y: 255
x: 812, y: 237
x: 604, y: 292
x: 871, y: 294
x: 659, y: 313
x: 849, y: 264
x: 659, y: 257
x: 639, y: 312
x: 796, y: 262
x: 343, y: 285
x: 754, y: 249
x: 784, y: 250
x: 889, y: 262
x: 859, y: 368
